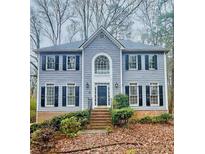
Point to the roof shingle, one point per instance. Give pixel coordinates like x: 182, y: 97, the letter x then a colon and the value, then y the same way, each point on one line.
x: 128, y: 46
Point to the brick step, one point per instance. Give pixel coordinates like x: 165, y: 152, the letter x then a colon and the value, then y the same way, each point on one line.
x: 101, y: 109
x: 99, y: 127
x: 100, y: 121
x: 100, y: 113
x: 100, y: 118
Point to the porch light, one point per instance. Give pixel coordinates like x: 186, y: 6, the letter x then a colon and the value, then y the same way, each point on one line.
x: 87, y: 85
x: 116, y: 85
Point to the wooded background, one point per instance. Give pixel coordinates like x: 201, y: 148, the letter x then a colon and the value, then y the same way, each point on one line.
x: 54, y: 22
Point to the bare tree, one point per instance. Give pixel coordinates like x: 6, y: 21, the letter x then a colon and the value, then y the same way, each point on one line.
x: 72, y: 30
x: 157, y: 17
x: 35, y: 36
x: 82, y: 8
x: 114, y: 15
x: 54, y: 14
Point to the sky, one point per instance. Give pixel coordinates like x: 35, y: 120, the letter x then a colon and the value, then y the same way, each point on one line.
x: 135, y: 35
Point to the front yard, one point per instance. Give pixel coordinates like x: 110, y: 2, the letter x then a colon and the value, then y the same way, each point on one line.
x: 136, y: 138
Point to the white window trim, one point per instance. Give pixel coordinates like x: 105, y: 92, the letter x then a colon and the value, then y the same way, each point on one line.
x: 137, y: 104
x: 46, y: 94
x: 157, y: 94
x: 151, y: 69
x: 133, y: 69
x: 165, y: 81
x: 102, y: 78
x: 68, y: 105
x: 97, y: 74
x: 72, y: 69
x: 50, y: 69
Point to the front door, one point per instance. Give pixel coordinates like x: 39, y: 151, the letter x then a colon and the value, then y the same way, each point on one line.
x: 102, y: 95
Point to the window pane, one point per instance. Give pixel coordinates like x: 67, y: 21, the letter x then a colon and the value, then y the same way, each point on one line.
x: 50, y: 62
x: 154, y: 93
x: 71, y: 62
x: 71, y: 94
x: 151, y: 62
x: 102, y: 65
x: 132, y: 62
x: 133, y: 93
x: 50, y: 95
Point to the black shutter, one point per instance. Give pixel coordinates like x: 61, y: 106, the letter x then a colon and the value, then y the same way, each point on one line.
x: 42, y: 96
x: 146, y: 62
x: 56, y: 96
x: 161, y: 95
x: 127, y: 90
x: 155, y: 61
x: 64, y: 63
x: 76, y: 96
x: 56, y: 63
x: 64, y: 96
x: 77, y: 62
x: 126, y: 62
x: 148, y: 95
x: 140, y: 95
x: 139, y: 62
x: 43, y: 63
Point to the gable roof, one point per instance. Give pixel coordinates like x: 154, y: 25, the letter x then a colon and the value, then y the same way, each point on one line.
x: 125, y: 45
x: 102, y: 30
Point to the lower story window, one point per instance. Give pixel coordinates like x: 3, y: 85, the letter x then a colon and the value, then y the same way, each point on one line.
x: 133, y: 98
x: 50, y: 94
x: 154, y: 94
x: 71, y: 94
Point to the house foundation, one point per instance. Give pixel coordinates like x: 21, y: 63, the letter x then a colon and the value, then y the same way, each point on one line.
x: 42, y: 116
x: 143, y: 113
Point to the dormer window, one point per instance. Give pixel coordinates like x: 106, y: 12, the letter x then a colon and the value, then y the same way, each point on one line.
x: 102, y: 65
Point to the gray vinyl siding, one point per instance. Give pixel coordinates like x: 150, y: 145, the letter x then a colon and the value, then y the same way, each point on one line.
x: 99, y: 45
x: 60, y: 78
x: 145, y: 77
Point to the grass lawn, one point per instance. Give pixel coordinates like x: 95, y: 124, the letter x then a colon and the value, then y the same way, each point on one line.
x: 32, y: 109
x: 136, y: 138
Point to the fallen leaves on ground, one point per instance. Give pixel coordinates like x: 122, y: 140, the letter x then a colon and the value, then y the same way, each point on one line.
x: 143, y: 138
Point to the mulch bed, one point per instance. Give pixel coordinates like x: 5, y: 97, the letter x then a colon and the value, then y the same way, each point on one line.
x: 142, y: 138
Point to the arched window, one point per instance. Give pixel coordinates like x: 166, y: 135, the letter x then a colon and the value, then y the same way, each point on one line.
x: 102, y: 65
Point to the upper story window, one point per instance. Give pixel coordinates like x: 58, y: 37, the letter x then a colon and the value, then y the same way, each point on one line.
x: 71, y: 94
x: 102, y: 65
x: 133, y: 97
x: 132, y: 62
x: 71, y: 62
x: 151, y: 62
x: 154, y: 101
x: 50, y: 95
x: 50, y: 62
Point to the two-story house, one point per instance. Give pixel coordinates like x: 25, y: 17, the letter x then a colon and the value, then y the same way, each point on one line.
x: 79, y: 75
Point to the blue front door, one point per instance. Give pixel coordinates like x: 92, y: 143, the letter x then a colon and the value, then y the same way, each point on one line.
x: 102, y: 95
